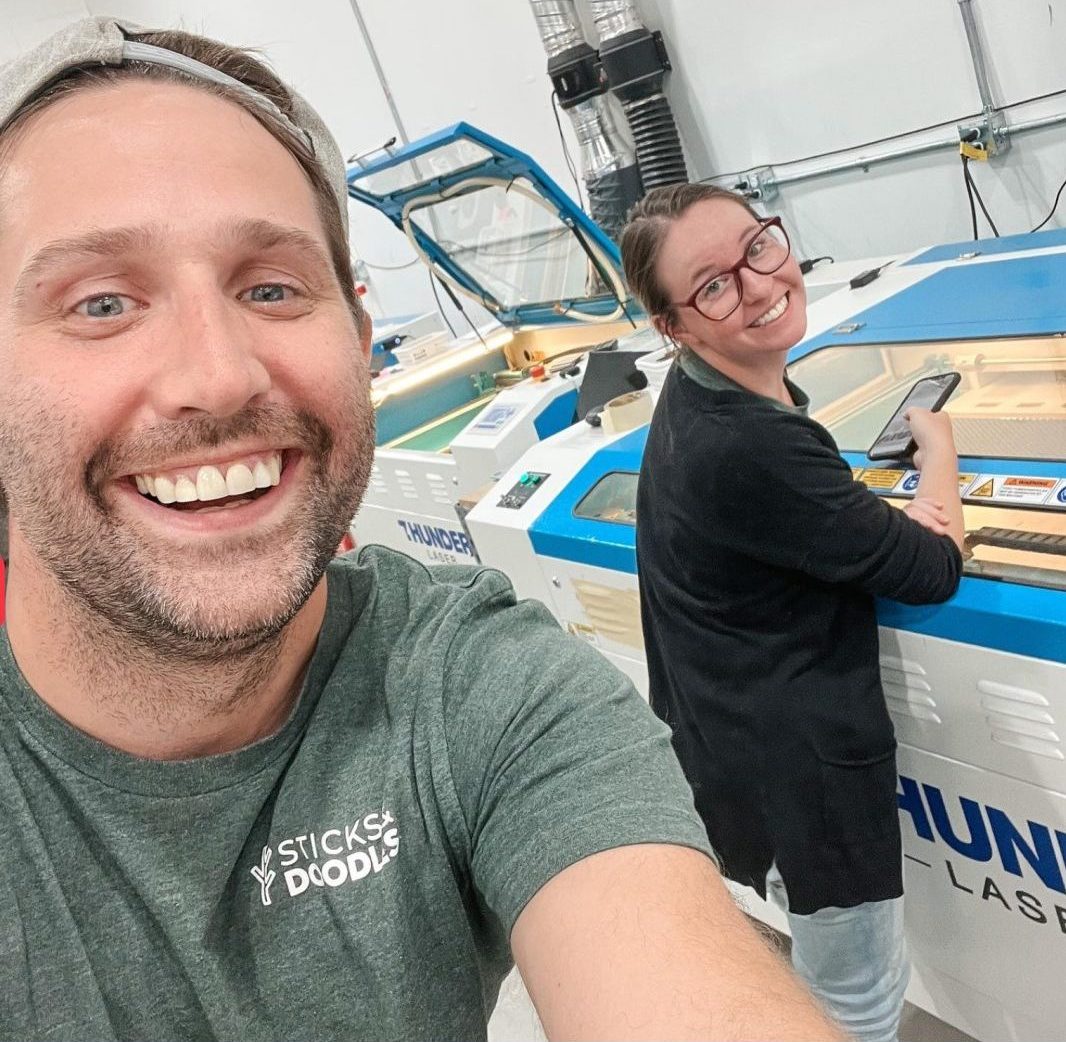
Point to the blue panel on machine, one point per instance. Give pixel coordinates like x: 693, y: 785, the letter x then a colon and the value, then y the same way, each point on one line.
x: 1019, y: 296
x: 989, y: 247
x: 559, y: 414
x: 605, y: 544
x: 1022, y: 620
x: 971, y: 464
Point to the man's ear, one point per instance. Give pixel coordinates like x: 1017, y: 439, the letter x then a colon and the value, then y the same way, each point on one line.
x: 365, y: 327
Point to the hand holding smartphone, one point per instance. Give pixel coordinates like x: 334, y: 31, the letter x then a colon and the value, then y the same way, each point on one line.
x: 896, y: 440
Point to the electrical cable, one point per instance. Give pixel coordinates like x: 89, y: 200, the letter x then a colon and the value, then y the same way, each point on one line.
x: 977, y: 192
x: 881, y: 140
x: 969, y: 195
x: 440, y: 308
x: 807, y: 266
x: 1054, y: 207
x: 462, y: 311
x: 566, y: 149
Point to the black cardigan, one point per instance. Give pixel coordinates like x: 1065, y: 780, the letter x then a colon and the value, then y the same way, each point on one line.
x: 759, y: 559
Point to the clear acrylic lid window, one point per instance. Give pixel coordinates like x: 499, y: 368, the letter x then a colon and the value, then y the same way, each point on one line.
x: 514, y: 246
x: 612, y: 498
x: 440, y: 162
x: 1011, y: 403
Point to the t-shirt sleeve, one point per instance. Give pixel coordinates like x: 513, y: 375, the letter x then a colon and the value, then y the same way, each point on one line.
x: 782, y: 495
x: 553, y: 754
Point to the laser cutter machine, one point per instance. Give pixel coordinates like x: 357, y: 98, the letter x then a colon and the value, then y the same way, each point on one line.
x: 454, y: 413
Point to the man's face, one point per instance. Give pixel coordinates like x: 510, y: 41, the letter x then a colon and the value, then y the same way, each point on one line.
x: 170, y: 322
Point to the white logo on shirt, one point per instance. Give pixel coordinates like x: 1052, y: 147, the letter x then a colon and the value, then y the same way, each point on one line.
x: 332, y: 857
x: 265, y: 875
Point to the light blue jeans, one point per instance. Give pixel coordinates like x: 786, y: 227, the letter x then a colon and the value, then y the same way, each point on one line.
x: 853, y: 959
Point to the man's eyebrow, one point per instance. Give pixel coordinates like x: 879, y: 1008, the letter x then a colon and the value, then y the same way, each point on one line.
x: 110, y: 242
x: 114, y: 242
x: 267, y: 235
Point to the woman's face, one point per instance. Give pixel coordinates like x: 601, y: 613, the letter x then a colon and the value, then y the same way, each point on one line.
x: 707, y: 239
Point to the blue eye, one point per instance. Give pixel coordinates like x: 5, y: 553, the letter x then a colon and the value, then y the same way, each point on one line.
x: 714, y: 288
x: 104, y: 305
x: 269, y: 293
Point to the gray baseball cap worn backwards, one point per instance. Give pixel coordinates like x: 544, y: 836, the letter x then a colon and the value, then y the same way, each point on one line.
x: 110, y: 41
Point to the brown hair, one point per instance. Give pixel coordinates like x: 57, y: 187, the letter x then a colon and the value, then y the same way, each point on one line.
x: 240, y: 65
x: 646, y: 227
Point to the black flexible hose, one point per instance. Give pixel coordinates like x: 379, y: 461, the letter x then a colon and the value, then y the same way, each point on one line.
x: 657, y: 142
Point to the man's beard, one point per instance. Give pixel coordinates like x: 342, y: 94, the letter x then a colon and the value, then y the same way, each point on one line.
x: 204, y: 605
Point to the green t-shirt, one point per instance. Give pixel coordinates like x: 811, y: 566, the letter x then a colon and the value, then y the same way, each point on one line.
x: 357, y: 874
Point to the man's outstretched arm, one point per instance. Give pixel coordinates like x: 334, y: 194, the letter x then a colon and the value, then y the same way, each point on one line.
x: 645, y: 942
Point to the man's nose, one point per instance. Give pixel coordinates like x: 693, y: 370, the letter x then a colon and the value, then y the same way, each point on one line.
x: 213, y: 365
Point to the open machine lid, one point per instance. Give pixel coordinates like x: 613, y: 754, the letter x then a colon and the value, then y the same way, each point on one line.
x: 492, y: 224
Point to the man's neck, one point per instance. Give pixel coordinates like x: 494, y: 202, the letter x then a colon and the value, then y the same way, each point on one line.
x: 765, y: 376
x: 153, y: 706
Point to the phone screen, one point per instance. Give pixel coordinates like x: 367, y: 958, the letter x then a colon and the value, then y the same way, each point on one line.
x: 895, y: 439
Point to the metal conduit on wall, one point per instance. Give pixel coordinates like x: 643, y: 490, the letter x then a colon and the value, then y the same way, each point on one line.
x: 635, y: 62
x: 609, y: 168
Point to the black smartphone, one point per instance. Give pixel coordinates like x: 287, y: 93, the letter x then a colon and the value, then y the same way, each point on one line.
x: 931, y: 392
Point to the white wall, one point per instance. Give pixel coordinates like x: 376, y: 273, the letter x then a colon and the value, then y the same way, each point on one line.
x: 755, y: 82
x: 771, y: 81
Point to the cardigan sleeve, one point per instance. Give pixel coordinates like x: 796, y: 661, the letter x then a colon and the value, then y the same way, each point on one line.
x: 778, y: 491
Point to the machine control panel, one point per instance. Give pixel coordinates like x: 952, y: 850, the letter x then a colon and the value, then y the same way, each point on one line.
x: 517, y: 496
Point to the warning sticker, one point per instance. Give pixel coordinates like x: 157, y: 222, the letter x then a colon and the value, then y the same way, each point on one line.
x: 856, y: 473
x: 883, y: 480
x: 908, y: 485
x: 1059, y: 499
x: 983, y: 491
x: 909, y: 482
x: 1024, y: 490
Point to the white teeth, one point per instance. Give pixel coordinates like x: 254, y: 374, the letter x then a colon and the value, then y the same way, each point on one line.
x: 184, y: 490
x: 774, y: 313
x: 239, y: 480
x: 210, y: 484
x: 262, y: 476
x: 164, y: 490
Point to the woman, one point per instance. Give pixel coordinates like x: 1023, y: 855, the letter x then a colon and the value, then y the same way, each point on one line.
x: 759, y: 560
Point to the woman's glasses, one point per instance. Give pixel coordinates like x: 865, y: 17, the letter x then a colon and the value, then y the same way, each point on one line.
x: 764, y: 253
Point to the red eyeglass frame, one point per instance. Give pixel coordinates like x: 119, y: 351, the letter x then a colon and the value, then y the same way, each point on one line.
x: 773, y: 222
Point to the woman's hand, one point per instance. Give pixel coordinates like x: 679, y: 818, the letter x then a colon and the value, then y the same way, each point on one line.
x: 929, y: 514
x: 932, y: 434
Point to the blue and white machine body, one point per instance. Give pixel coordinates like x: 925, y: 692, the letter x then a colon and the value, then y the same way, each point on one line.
x: 491, y: 226
x: 976, y: 687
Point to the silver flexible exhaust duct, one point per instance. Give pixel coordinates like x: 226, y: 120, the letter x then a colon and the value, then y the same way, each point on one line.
x: 635, y: 62
x: 558, y: 25
x: 609, y: 168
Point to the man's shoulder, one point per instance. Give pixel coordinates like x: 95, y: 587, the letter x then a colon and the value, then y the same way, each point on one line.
x: 410, y: 603
x: 392, y: 571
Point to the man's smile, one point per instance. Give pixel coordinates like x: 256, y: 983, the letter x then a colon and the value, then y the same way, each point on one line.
x: 205, y: 483
x: 214, y: 498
